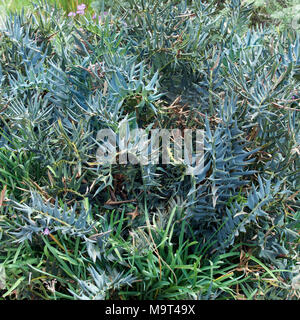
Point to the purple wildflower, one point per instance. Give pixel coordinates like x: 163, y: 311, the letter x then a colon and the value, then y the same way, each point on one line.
x: 71, y: 14
x: 105, y: 13
x: 46, y: 232
x: 81, y: 7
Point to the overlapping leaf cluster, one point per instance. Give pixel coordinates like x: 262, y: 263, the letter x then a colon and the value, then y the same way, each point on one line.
x: 152, y: 64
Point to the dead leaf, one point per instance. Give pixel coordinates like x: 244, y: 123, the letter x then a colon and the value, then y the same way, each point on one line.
x: 134, y: 213
x: 2, y: 196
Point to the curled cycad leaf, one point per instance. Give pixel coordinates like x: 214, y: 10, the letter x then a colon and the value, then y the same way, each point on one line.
x: 103, y: 282
x: 37, y: 216
x: 241, y: 214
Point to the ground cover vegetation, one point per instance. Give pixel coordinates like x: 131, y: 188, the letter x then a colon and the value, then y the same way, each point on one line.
x: 71, y: 228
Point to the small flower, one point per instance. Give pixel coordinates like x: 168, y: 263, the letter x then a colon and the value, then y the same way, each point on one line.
x: 81, y: 7
x: 46, y: 232
x: 105, y: 13
x: 71, y: 14
x: 81, y: 12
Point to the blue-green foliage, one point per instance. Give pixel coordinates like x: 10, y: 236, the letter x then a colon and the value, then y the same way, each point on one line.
x: 39, y: 216
x: 61, y: 80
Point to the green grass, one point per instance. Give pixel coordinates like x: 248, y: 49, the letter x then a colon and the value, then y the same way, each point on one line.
x: 165, y: 264
x: 281, y: 13
x: 18, y: 5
